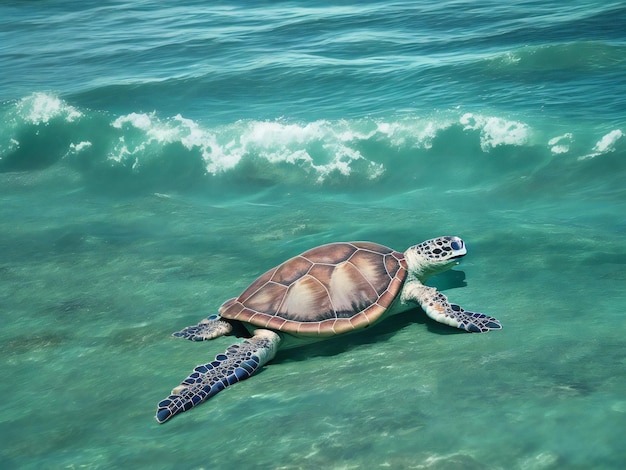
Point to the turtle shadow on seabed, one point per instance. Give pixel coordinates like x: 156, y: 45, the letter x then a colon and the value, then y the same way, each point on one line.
x: 381, y: 331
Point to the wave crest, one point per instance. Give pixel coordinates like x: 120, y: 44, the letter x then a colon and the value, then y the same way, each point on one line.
x: 140, y: 150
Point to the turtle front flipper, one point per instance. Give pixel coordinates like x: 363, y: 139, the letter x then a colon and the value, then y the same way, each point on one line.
x: 437, y: 307
x: 209, y: 328
x: 238, y: 363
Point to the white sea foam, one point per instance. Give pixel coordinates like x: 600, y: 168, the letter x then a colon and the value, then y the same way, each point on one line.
x: 321, y: 147
x: 140, y: 121
x: 80, y: 146
x: 413, y: 133
x: 496, y: 131
x: 561, y: 144
x: 319, y: 151
x: 605, y: 145
x: 40, y: 108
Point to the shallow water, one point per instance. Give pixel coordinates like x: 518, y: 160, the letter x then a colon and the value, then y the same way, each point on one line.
x: 154, y: 160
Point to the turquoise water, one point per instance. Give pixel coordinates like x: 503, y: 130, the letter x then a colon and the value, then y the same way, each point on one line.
x: 155, y: 159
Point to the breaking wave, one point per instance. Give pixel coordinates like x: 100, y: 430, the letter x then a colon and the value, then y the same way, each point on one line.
x: 150, y: 151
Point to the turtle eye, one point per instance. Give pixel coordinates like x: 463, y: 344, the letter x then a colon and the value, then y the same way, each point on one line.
x: 457, y: 244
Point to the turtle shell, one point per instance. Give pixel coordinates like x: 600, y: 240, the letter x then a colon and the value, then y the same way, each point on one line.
x: 326, y: 291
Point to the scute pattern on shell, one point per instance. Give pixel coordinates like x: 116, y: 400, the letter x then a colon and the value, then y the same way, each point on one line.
x: 328, y: 290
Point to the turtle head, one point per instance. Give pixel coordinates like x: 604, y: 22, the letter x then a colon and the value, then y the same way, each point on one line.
x: 434, y: 256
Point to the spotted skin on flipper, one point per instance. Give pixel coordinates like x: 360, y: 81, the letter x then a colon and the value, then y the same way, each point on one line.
x: 239, y: 362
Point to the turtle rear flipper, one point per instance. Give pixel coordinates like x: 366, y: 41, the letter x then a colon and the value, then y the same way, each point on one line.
x: 209, y: 328
x: 238, y: 363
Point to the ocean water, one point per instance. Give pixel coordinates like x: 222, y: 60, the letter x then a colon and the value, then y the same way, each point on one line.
x: 155, y: 158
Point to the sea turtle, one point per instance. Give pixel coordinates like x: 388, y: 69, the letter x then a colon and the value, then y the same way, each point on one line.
x: 327, y: 291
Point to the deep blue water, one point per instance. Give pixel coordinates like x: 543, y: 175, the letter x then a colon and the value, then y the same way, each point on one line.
x: 155, y: 159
